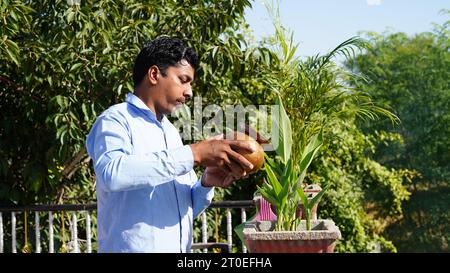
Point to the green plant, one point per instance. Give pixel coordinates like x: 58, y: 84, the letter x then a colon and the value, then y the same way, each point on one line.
x: 317, y: 97
x: 283, y: 187
x: 308, y: 205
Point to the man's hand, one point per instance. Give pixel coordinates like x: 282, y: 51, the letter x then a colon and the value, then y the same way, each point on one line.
x: 219, y: 157
x: 217, y: 177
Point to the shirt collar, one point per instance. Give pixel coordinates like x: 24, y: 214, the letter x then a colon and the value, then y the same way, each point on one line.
x: 138, y: 103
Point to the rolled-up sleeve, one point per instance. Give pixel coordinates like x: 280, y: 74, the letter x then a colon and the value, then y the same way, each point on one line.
x: 118, y: 169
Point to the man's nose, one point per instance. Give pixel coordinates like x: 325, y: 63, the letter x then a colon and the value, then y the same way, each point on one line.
x: 188, y: 93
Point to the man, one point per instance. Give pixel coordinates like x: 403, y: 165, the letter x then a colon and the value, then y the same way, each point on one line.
x: 147, y: 191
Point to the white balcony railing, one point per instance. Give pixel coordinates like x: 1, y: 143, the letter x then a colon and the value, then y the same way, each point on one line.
x: 58, y: 215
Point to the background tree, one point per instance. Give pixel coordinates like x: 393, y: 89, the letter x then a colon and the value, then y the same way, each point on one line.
x: 411, y: 76
x: 62, y: 65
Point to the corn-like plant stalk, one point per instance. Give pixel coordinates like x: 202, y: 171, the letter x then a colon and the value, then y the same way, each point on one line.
x: 283, y: 187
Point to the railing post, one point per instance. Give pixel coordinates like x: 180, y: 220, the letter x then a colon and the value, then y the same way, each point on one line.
x: 74, y: 232
x: 37, y: 232
x: 229, y: 230
x: 204, y: 231
x: 13, y: 232
x: 51, y: 247
x: 243, y: 219
x: 88, y: 232
x: 1, y: 233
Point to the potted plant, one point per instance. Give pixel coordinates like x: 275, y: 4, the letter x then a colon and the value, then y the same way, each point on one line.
x: 315, y: 93
x: 283, y: 188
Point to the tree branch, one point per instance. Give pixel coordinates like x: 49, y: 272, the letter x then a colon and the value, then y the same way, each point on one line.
x: 19, y: 88
x: 71, y: 166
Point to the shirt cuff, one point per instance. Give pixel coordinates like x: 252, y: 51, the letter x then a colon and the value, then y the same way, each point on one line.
x: 206, y: 191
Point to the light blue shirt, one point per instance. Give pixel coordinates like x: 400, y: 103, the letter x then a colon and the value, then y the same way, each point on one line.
x: 147, y: 191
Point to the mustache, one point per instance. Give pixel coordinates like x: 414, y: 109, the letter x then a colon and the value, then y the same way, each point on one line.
x: 184, y: 100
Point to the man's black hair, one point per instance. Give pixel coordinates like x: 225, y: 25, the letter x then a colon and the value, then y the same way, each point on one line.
x: 163, y: 52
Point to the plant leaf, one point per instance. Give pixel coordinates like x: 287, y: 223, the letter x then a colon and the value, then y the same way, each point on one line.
x: 268, y: 196
x: 317, y: 198
x: 275, y: 166
x: 75, y: 66
x: 273, y: 180
x: 282, y: 126
x: 303, y: 197
x: 309, y: 153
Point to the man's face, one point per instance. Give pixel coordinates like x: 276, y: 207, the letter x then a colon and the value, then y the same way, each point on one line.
x: 175, y: 88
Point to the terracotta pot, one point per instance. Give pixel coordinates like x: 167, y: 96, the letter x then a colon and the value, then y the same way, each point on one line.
x: 261, y: 238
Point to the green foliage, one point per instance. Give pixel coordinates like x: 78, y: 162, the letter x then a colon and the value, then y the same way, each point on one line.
x: 283, y: 187
x: 361, y: 192
x: 14, y: 15
x: 284, y: 132
x: 411, y: 75
x: 62, y: 65
x: 363, y: 195
x: 74, y: 61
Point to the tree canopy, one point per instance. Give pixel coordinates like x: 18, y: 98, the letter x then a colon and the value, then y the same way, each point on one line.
x: 410, y: 74
x: 63, y: 64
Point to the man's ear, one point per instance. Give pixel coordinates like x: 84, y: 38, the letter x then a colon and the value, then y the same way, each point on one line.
x: 153, y: 74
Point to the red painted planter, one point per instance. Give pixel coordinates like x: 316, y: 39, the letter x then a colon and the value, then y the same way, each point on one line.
x: 291, y: 246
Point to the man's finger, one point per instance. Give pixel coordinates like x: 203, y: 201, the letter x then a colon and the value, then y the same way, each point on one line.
x: 242, y: 145
x: 236, y: 170
x: 241, y: 160
x: 228, y: 181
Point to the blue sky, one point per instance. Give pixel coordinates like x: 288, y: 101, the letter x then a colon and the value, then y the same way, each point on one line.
x: 320, y: 25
